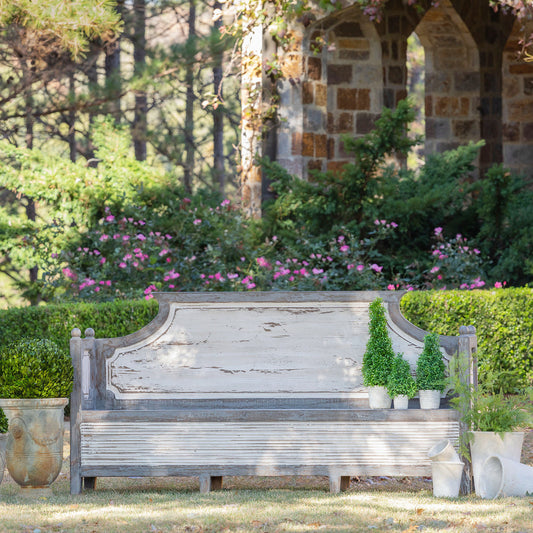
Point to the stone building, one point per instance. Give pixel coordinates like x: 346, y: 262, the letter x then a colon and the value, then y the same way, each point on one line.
x: 342, y: 69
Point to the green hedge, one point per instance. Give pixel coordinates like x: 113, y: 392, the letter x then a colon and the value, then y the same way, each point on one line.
x: 55, y: 322
x: 504, y: 325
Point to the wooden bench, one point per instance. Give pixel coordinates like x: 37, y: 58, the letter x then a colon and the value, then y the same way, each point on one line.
x: 262, y: 384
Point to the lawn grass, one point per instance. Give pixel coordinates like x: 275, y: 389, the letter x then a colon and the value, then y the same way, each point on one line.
x: 254, y: 505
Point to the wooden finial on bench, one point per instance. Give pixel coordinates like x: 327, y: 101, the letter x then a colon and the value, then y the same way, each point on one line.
x: 89, y: 332
x: 76, y: 332
x: 467, y: 330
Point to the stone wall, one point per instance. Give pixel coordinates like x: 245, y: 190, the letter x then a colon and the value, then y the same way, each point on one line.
x: 342, y: 68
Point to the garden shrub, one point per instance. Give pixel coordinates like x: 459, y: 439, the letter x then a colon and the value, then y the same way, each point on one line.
x: 379, y: 355
x: 503, y: 319
x: 35, y: 368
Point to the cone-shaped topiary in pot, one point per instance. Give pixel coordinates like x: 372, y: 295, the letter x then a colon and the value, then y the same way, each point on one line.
x: 379, y: 355
x: 401, y: 382
x: 430, y: 368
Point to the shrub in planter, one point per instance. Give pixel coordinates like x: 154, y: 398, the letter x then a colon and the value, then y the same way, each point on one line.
x: 430, y: 368
x: 492, y: 417
x: 379, y: 355
x: 35, y: 378
x: 401, y: 382
x: 430, y: 373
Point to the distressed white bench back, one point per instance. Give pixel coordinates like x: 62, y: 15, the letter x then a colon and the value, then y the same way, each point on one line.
x: 260, y: 345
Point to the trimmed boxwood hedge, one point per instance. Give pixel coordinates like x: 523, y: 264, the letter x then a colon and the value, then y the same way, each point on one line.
x: 504, y: 325
x: 55, y: 322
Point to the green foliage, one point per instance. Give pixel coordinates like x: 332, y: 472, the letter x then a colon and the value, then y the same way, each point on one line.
x: 72, y: 27
x: 379, y: 355
x: 55, y: 322
x: 3, y: 422
x: 503, y: 319
x: 400, y: 381
x: 330, y: 199
x: 35, y: 368
x: 485, y: 408
x: 430, y: 368
x: 505, y: 235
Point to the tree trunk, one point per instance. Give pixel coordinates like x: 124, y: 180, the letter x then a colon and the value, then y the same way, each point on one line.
x: 30, y: 204
x: 139, y: 58
x: 112, y: 72
x: 189, y: 104
x: 218, y: 113
x: 72, y: 119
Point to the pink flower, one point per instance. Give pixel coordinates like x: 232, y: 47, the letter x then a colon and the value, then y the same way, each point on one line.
x: 329, y: 258
x: 125, y: 237
x: 376, y: 222
x: 476, y: 251
x: 350, y: 266
x: 340, y: 238
x: 141, y: 237
x: 376, y: 268
x: 109, y: 218
x: 232, y: 276
x: 394, y: 225
x: 197, y: 221
x: 498, y: 285
x: 104, y: 237
x: 434, y: 269
x: 439, y: 277
x: 54, y: 255
x: 96, y: 289
x: 344, y: 248
x: 261, y: 261
x: 108, y: 283
x: 391, y: 287
x: 122, y: 265
x: 225, y: 202
x: 317, y: 271
x: 438, y: 231
x: 360, y: 268
x: 103, y: 260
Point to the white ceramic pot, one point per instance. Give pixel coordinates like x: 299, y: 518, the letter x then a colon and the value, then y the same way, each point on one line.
x: 446, y: 478
x: 401, y: 402
x: 486, y: 444
x: 429, y: 399
x: 504, y: 477
x: 378, y: 398
x: 443, y: 451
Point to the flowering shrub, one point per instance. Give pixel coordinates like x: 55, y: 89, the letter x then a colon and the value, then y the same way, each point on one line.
x: 455, y: 264
x: 215, y: 250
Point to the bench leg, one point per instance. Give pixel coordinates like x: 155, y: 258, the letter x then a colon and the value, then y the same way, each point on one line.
x: 209, y: 483
x: 89, y: 483
x: 338, y: 483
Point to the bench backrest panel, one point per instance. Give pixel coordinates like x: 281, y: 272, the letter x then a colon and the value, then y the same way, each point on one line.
x: 281, y: 345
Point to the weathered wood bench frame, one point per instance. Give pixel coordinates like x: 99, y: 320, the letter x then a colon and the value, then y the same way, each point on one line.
x: 266, y: 384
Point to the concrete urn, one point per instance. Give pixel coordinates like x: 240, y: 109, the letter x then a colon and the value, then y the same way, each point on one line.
x: 34, y: 448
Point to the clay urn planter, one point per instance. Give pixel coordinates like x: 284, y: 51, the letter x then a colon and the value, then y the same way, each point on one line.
x: 34, y: 373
